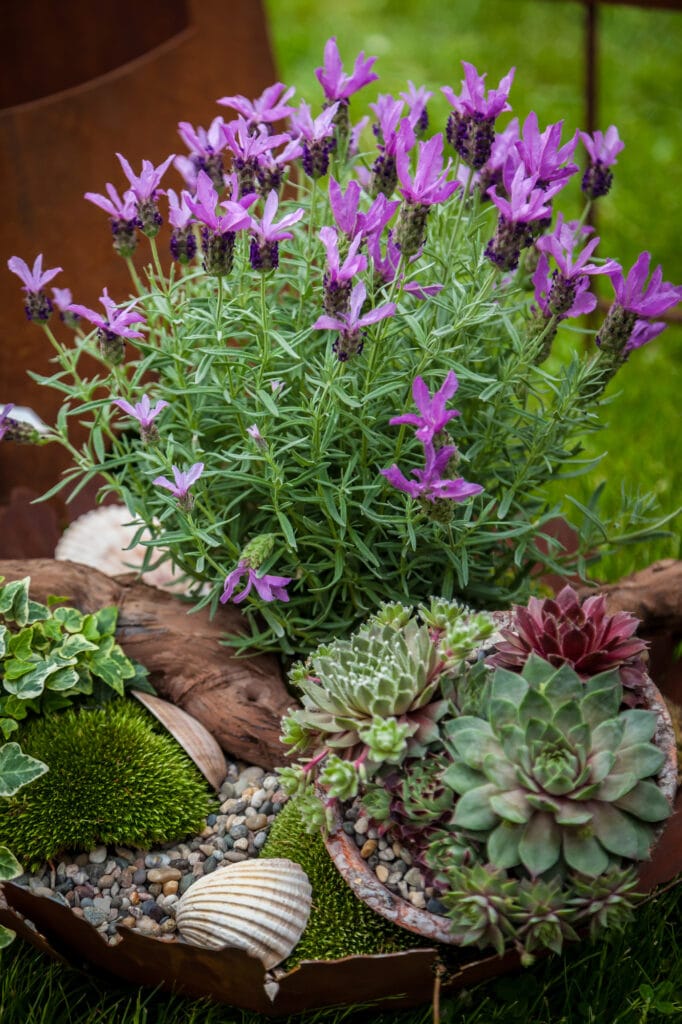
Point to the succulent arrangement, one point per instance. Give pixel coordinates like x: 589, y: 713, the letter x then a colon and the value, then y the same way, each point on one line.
x: 527, y: 797
x: 115, y: 776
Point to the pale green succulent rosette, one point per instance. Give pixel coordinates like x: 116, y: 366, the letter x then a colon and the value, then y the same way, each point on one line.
x: 555, y: 774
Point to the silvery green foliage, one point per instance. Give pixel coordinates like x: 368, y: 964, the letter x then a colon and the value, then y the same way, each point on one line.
x: 554, y: 774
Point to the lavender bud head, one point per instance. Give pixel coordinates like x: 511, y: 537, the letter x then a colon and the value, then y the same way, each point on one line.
x: 214, y: 167
x: 246, y: 175
x: 111, y: 346
x: 561, y: 294
x: 125, y: 236
x: 38, y: 306
x: 19, y: 431
x: 183, y: 244
x: 218, y: 250
x: 264, y: 255
x: 504, y: 248
x: 472, y: 137
x: 410, y: 229
x: 268, y: 180
x: 348, y: 344
x: 597, y: 180
x: 316, y: 157
x: 336, y: 296
x: 149, y: 220
x: 441, y: 510
x: 384, y: 176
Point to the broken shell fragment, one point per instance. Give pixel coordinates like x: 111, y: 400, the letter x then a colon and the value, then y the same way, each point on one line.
x: 261, y: 906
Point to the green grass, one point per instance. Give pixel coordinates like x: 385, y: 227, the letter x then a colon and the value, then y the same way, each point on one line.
x: 635, y: 978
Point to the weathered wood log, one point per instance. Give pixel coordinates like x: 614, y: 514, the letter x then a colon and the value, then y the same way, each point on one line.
x: 654, y: 595
x: 239, y: 700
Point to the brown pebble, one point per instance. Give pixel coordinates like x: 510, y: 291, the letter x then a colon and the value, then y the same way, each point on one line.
x: 382, y: 873
x: 126, y: 879
x: 170, y: 888
x: 78, y: 911
x: 106, y: 881
x: 368, y: 848
x: 163, y: 875
x: 134, y: 897
x: 257, y: 822
x: 168, y: 927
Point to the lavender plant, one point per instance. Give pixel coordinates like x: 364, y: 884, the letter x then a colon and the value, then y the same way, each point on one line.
x: 257, y: 389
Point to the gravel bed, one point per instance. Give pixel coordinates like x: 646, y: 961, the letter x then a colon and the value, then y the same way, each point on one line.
x: 112, y: 886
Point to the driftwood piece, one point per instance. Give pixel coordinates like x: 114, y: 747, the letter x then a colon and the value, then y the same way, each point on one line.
x: 239, y: 700
x: 654, y: 595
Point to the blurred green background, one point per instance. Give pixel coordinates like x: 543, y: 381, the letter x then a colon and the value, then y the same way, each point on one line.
x: 640, y: 81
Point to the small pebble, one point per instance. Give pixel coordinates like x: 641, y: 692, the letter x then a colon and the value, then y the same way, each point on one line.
x: 98, y: 855
x: 164, y: 875
x: 368, y: 848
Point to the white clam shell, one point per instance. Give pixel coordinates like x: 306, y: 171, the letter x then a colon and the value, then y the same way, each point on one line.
x: 261, y: 906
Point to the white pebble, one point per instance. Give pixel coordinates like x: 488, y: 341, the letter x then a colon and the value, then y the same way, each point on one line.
x: 98, y: 855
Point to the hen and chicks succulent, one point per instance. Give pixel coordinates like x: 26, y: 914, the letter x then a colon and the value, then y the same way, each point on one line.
x: 522, y: 778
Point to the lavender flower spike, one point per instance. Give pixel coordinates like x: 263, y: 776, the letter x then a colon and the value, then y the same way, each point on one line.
x: 433, y: 416
x: 336, y: 84
x: 602, y: 149
x: 428, y: 186
x: 268, y: 587
x: 145, y: 415
x: 123, y: 217
x: 270, y: 106
x: 623, y: 329
x: 431, y: 484
x: 183, y: 481
x: 471, y: 125
x: 144, y: 187
x: 266, y: 235
x: 112, y: 329
x: 37, y: 304
x: 350, y: 340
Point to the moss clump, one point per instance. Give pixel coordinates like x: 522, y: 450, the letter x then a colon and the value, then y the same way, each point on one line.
x: 340, y: 924
x: 113, y: 777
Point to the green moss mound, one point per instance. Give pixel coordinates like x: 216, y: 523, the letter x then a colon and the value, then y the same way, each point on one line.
x: 113, y: 777
x: 340, y: 924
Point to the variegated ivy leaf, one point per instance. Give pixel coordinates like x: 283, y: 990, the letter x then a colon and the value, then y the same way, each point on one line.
x: 17, y: 769
x: 6, y: 936
x: 14, y: 601
x: 9, y: 865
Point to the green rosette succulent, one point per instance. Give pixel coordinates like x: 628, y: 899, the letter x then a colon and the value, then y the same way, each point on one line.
x: 554, y: 774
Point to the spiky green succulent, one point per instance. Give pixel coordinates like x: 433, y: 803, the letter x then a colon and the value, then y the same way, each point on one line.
x: 554, y: 775
x: 377, y: 697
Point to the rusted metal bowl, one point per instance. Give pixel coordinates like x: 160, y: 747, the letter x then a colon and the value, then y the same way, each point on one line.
x: 434, y: 928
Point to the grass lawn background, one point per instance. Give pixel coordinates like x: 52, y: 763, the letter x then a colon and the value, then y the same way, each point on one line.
x: 635, y: 977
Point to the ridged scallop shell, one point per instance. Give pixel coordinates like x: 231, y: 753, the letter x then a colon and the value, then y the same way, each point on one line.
x: 193, y: 737
x: 260, y: 906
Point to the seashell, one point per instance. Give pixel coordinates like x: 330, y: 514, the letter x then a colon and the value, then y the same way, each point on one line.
x: 101, y: 538
x: 193, y: 737
x: 261, y: 906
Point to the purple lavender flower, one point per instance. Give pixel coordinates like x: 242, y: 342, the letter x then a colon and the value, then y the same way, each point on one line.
x: 431, y: 485
x: 346, y: 210
x: 268, y: 587
x: 62, y: 299
x: 183, y: 243
x: 542, y: 153
x: 636, y: 303
x: 428, y: 186
x: 504, y: 147
x: 145, y: 187
x: 602, y: 149
x: 220, y: 224
x: 182, y: 483
x: 205, y: 146
x: 122, y: 217
x: 393, y: 133
x: 145, y: 415
x: 433, y: 416
x: 350, y: 325
x: 247, y: 147
x: 113, y: 329
x: 416, y: 99
x: 270, y: 106
x: 37, y: 303
x: 568, y: 293
x: 470, y: 129
x: 338, y: 277
x: 272, y: 167
x: 525, y: 204
x: 336, y: 84
x: 386, y: 266
x: 255, y: 434
x: 316, y: 137
x: 266, y: 235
